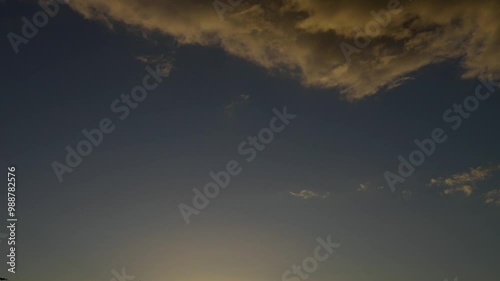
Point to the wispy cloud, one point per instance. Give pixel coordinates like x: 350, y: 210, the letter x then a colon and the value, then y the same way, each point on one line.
x: 240, y: 100
x: 465, y: 189
x: 406, y: 195
x: 463, y: 182
x: 362, y: 187
x: 474, y: 174
x: 309, y: 194
x: 163, y: 63
x: 493, y: 197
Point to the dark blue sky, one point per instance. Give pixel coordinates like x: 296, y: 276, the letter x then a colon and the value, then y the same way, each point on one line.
x: 120, y: 206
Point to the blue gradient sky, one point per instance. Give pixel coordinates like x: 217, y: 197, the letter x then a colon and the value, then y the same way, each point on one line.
x: 120, y: 206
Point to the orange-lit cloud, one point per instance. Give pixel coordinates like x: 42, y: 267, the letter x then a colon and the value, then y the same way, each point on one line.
x: 463, y: 182
x: 493, y: 197
x: 303, y: 37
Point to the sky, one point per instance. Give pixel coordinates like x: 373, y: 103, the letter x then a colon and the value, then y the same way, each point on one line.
x: 368, y: 125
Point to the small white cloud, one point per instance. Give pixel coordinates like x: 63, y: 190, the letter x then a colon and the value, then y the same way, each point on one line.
x: 309, y: 194
x: 362, y: 187
x: 493, y: 197
x: 406, y: 195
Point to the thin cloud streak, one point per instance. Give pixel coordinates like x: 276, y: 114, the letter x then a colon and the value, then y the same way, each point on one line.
x: 306, y: 194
